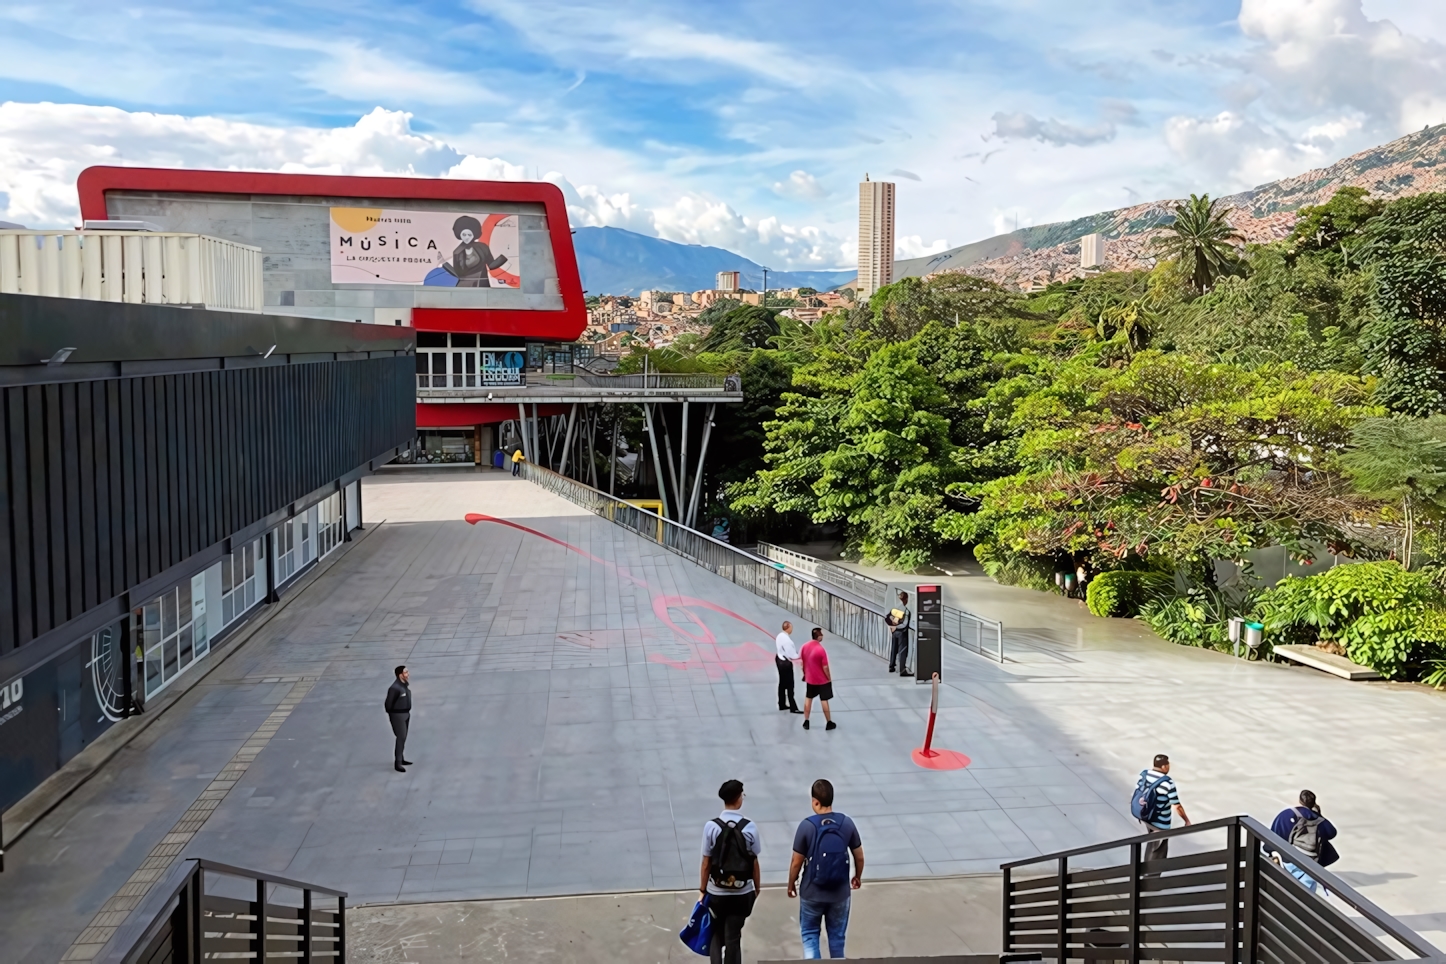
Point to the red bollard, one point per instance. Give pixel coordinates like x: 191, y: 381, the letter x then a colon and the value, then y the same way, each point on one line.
x: 930, y: 758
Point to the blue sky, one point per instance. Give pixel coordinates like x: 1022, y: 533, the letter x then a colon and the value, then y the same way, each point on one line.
x: 744, y: 124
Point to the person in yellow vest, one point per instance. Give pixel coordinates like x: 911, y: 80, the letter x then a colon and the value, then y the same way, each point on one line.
x: 517, y: 459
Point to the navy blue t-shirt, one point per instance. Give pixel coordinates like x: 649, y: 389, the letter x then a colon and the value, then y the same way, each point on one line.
x: 803, y: 843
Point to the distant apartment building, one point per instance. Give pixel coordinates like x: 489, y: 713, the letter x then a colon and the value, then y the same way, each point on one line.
x: 1092, y: 251
x: 727, y: 281
x: 876, y: 235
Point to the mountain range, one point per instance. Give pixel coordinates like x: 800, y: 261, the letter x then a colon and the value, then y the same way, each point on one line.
x: 1042, y: 253
x: 618, y: 262
x: 615, y: 261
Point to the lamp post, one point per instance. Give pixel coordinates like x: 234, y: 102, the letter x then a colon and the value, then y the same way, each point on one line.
x: 765, y: 286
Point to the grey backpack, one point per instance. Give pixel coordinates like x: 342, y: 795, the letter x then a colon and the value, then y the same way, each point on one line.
x: 1305, y: 834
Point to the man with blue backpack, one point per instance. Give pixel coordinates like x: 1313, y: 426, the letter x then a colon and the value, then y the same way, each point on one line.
x: 1154, y: 798
x: 821, y: 849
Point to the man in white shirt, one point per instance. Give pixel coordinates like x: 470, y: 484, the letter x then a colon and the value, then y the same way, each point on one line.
x: 730, y: 874
x: 785, y: 652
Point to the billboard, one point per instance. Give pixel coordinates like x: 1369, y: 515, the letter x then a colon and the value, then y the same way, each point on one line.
x: 449, y: 249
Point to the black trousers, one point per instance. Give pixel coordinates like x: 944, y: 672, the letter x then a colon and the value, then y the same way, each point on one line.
x: 786, y: 699
x: 400, y: 723
x: 729, y: 913
x: 899, y: 650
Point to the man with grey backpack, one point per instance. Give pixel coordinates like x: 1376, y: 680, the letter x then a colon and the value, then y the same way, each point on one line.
x: 1306, y: 829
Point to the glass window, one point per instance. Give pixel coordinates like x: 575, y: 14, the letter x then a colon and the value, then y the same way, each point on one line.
x: 187, y: 652
x: 431, y: 339
x: 168, y: 614
x: 464, y: 341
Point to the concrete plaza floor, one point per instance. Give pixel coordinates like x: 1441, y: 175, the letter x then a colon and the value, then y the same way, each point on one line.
x: 580, y: 694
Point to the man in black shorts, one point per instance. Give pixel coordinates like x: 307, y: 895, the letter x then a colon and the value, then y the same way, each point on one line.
x: 817, y: 678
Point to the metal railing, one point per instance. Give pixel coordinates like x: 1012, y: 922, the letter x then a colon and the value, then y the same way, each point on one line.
x: 1232, y: 903
x: 203, y: 910
x: 963, y: 629
x: 654, y: 380
x: 858, y: 622
x: 865, y: 587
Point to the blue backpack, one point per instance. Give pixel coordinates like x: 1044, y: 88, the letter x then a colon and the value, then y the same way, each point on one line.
x: 1145, y: 804
x: 828, y: 858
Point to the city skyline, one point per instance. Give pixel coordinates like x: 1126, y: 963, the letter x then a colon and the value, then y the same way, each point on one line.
x: 657, y: 121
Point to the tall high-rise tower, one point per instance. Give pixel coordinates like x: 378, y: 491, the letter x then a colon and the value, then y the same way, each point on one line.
x: 876, y: 235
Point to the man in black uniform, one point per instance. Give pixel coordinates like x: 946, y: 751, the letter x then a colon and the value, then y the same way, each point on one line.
x: 399, y: 711
x: 899, y: 621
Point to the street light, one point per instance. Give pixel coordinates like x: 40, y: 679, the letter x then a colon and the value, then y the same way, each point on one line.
x: 765, y: 286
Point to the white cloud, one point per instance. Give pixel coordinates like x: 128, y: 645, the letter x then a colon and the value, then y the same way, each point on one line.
x: 1323, y: 80
x: 913, y: 246
x: 1021, y: 126
x: 44, y: 147
x: 800, y: 184
x: 354, y: 72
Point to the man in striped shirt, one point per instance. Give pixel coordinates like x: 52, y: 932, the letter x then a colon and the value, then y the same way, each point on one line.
x: 1167, y: 799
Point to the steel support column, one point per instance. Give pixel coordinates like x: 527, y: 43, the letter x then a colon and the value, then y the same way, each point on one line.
x: 672, y: 469
x: 613, y: 465
x: 522, y: 431
x: 567, y: 439
x: 698, y: 478
x: 683, y: 468
x: 653, y: 443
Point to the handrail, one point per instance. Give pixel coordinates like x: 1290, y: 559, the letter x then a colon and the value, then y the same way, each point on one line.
x: 1253, y: 907
x: 855, y: 620
x: 169, y: 922
x: 872, y: 589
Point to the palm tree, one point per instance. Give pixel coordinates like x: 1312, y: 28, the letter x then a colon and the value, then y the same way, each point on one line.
x: 1201, y: 240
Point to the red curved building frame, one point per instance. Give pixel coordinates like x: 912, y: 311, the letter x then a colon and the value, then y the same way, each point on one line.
x: 565, y: 325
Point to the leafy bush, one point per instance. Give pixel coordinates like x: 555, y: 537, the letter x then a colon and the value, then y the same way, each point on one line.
x: 1121, y: 592
x: 1198, y: 618
x: 1384, y: 616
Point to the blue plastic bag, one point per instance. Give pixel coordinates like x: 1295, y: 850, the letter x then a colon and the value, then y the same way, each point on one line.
x: 698, y: 933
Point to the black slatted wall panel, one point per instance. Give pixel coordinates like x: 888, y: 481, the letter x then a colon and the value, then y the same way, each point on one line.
x: 107, y: 483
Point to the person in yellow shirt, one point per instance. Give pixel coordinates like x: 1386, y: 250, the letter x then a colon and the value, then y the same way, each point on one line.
x: 517, y: 459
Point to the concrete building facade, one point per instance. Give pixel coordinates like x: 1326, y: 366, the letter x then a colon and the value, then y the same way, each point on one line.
x: 876, y: 235
x: 1092, y: 251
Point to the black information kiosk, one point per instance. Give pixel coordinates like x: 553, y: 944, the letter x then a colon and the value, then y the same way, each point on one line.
x: 928, y: 634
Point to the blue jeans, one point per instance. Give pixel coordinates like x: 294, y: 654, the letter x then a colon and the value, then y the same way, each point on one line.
x: 834, y: 915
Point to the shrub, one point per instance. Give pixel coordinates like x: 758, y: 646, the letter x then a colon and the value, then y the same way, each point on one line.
x: 1384, y: 616
x: 1196, y: 619
x: 1121, y: 592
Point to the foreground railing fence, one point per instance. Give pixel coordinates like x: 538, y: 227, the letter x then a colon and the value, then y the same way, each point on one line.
x: 858, y: 622
x: 963, y: 629
x: 205, y: 911
x: 1225, y: 893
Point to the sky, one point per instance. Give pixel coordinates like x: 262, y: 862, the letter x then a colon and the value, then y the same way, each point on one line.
x: 746, y: 124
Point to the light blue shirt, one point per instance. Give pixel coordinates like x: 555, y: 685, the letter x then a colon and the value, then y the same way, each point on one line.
x: 710, y: 837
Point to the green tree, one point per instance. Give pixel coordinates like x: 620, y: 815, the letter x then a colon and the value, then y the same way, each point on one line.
x: 1173, y: 458
x: 1405, y: 343
x: 1201, y: 239
x: 743, y: 326
x: 1402, y: 460
x: 899, y: 311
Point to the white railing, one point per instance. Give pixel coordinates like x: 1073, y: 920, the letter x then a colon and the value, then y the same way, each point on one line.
x: 961, y: 628
x: 865, y: 587
x: 135, y: 267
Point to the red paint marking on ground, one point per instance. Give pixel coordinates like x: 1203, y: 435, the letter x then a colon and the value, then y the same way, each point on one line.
x: 475, y: 517
x: 706, y: 653
x: 941, y: 759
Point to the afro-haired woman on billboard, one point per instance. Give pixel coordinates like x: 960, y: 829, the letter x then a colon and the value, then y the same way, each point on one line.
x: 472, y: 259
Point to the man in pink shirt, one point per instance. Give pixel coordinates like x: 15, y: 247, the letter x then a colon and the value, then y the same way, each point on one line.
x: 817, y: 678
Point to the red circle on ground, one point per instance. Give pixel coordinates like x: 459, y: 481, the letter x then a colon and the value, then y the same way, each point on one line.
x: 941, y: 759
